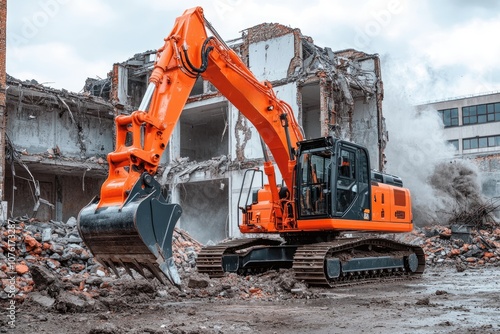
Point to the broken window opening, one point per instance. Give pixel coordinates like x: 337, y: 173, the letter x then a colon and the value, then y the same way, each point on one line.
x: 203, y: 133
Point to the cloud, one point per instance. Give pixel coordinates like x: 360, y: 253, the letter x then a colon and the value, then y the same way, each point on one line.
x: 59, y: 67
x: 469, y: 44
x: 443, y: 44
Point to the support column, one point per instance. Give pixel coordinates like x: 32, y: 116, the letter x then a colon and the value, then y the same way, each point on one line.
x: 381, y: 130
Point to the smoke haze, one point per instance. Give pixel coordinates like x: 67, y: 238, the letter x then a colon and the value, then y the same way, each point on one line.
x: 418, y: 152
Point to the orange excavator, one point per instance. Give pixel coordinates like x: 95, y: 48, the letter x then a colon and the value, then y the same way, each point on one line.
x: 328, y: 188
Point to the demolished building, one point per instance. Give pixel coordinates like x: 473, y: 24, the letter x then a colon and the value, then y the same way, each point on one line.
x: 55, y: 151
x: 60, y: 139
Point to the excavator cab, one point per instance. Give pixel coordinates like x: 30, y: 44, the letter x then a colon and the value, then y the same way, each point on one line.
x: 333, y: 180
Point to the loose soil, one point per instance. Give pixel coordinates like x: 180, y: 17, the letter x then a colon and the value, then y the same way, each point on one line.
x: 443, y: 300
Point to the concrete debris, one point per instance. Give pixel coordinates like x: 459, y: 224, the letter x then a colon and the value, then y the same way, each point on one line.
x: 42, y: 300
x: 180, y: 170
x: 23, y: 158
x: 51, y: 97
x: 443, y: 246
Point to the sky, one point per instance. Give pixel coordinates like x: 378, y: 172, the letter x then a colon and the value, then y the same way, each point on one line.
x: 430, y: 50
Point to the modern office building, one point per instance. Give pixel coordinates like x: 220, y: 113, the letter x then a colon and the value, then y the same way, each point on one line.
x: 472, y: 125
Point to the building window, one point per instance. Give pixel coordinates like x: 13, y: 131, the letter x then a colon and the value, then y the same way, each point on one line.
x: 480, y: 142
x: 481, y: 113
x: 449, y: 117
x: 454, y: 142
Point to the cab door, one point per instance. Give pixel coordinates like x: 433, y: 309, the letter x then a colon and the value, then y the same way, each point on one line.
x: 352, y: 182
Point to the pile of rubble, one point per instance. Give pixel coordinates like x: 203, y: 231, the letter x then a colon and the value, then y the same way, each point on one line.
x: 457, y: 245
x: 56, y: 250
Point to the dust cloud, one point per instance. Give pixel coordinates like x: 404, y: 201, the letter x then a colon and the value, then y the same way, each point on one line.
x: 418, y: 152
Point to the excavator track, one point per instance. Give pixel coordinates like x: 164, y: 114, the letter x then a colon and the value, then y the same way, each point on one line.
x: 209, y: 259
x: 310, y: 261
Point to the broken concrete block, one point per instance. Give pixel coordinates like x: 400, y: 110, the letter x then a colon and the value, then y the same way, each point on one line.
x: 71, y: 222
x: 68, y: 302
x: 56, y: 257
x: 47, y: 234
x: 72, y: 239
x: 42, y: 300
x: 42, y: 277
x: 85, y: 255
x: 53, y: 264
x: 66, y: 256
x: 92, y: 280
x: 56, y: 248
x: 198, y: 282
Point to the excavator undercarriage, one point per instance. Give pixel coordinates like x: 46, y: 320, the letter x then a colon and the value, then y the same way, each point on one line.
x: 328, y: 264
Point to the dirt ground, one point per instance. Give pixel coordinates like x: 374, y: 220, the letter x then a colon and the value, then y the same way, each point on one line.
x: 442, y: 301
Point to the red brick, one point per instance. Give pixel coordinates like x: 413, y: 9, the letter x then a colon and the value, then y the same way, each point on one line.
x: 21, y: 269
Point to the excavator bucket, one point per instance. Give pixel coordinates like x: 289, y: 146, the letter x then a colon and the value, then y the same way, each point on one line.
x: 136, y: 235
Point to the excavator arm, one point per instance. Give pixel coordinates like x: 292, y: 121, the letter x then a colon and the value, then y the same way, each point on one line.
x: 131, y: 224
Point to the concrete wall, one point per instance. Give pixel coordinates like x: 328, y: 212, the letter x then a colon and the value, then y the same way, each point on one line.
x: 205, y: 140
x: 205, y: 209
x: 38, y: 129
x: 365, y: 128
x: 244, y: 140
x: 270, y: 59
x: 56, y: 145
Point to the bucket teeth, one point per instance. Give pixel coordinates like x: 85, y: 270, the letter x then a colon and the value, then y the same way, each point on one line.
x: 138, y: 267
x: 131, y: 266
x: 127, y: 269
x: 109, y: 264
x: 152, y: 269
